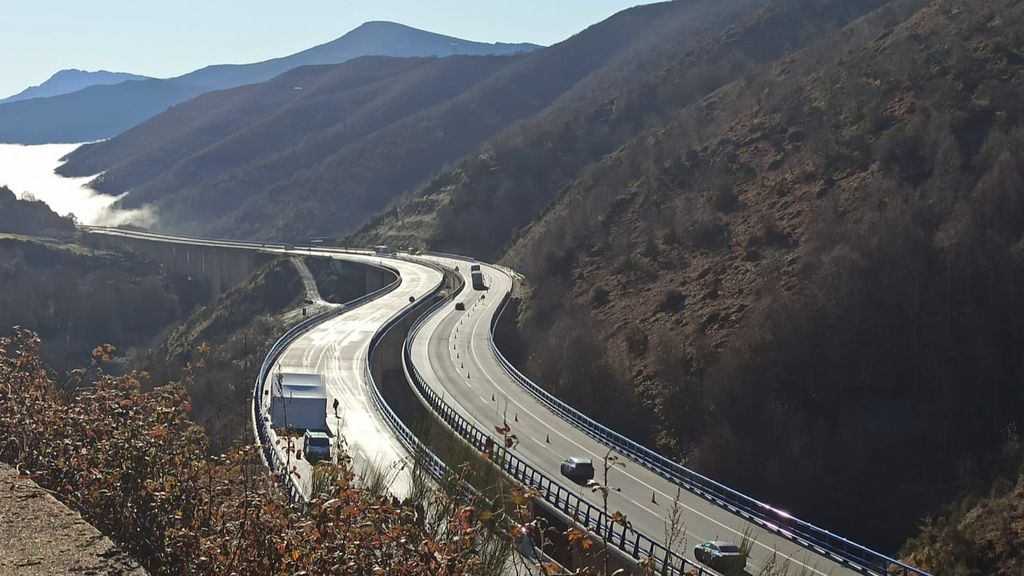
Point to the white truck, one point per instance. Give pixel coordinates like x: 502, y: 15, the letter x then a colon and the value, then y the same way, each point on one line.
x: 478, y: 280
x: 298, y: 401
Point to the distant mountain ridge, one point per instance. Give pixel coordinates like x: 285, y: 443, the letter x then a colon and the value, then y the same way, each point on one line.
x: 100, y: 112
x: 266, y: 161
x: 72, y: 80
x: 376, y: 38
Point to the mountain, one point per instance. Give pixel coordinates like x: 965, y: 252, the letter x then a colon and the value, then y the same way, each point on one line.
x: 31, y: 217
x: 72, y: 80
x: 99, y: 112
x: 800, y: 273
x: 780, y: 240
x: 267, y: 160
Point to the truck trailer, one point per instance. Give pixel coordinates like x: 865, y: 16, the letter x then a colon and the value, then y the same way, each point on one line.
x: 298, y: 401
x: 478, y: 280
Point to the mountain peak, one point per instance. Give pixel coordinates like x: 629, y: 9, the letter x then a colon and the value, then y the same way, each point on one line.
x: 71, y: 80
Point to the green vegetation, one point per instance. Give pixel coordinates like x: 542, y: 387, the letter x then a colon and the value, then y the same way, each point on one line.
x: 217, y: 351
x: 31, y: 217
x: 799, y: 273
x: 135, y: 465
x: 77, y: 297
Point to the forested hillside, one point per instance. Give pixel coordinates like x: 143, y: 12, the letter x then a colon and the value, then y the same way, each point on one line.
x: 804, y: 283
x: 687, y: 51
x: 217, y: 350
x: 311, y: 152
x: 323, y: 160
x: 780, y: 240
x: 980, y: 534
x: 19, y: 216
x: 81, y: 298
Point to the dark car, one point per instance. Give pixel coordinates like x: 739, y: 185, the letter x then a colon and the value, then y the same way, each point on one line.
x: 579, y: 470
x: 722, y: 556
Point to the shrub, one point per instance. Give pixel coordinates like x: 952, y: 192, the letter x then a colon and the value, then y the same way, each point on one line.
x: 136, y: 467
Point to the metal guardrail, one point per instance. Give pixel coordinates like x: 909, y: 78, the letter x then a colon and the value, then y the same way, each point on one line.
x: 271, y: 456
x: 774, y: 520
x: 423, y: 455
x: 779, y: 522
x: 631, y: 542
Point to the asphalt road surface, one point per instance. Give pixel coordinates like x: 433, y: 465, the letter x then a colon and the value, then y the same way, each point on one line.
x: 338, y: 349
x: 453, y: 353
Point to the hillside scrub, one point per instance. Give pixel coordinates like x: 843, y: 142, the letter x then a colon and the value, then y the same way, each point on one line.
x: 268, y: 161
x: 136, y: 466
x: 840, y: 335
x: 980, y: 534
x: 218, y: 350
x: 26, y: 216
x: 75, y: 296
x: 678, y: 53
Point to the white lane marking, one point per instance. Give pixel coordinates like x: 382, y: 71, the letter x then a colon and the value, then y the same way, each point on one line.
x: 336, y: 349
x: 472, y: 350
x: 545, y: 445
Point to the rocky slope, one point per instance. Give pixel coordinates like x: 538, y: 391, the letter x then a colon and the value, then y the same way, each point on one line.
x: 790, y: 281
x: 39, y: 536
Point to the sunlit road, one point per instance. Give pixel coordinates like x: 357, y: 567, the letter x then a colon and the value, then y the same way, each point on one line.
x: 453, y: 353
x: 338, y: 350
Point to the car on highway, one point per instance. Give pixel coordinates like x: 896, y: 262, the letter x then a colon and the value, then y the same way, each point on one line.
x: 316, y: 445
x: 579, y: 470
x: 724, y: 557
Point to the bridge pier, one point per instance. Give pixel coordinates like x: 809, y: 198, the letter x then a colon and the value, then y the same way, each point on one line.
x: 222, y: 267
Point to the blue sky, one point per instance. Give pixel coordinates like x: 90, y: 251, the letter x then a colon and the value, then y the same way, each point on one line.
x: 170, y: 37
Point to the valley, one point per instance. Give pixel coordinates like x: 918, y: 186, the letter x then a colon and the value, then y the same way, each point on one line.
x: 765, y: 253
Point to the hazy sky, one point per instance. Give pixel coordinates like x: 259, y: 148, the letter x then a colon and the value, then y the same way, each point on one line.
x: 165, y: 38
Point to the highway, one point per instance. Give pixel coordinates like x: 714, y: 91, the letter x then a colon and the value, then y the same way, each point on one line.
x: 338, y: 349
x: 453, y: 352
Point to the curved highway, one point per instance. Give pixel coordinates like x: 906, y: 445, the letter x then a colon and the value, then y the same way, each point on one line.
x: 338, y: 349
x: 453, y: 353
